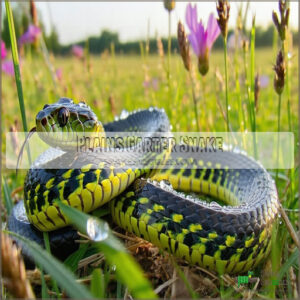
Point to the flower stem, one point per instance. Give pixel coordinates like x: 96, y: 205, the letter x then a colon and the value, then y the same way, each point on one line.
x: 278, y: 130
x: 195, y: 102
x: 252, y: 76
x: 252, y: 84
x: 226, y: 82
x: 242, y: 121
x: 169, y: 49
x: 288, y: 94
x: 247, y: 86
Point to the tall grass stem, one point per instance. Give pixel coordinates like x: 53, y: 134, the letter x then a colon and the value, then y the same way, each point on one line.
x: 278, y: 130
x: 226, y: 82
x: 169, y: 48
x: 242, y: 120
x: 252, y: 78
x: 290, y: 123
x: 247, y: 87
x: 47, y: 247
x: 15, y: 57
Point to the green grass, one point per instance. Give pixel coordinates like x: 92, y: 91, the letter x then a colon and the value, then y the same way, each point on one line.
x: 121, y: 78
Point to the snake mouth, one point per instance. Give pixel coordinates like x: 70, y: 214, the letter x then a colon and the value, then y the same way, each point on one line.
x: 29, y: 135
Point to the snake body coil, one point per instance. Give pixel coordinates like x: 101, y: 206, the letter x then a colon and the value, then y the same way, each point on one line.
x: 228, y: 239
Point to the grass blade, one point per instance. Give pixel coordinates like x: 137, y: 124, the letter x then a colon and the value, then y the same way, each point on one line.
x: 45, y: 294
x: 127, y: 270
x: 97, y: 284
x: 8, y: 203
x: 47, y: 247
x: 55, y: 268
x: 15, y: 57
x: 285, y: 267
x: 73, y: 260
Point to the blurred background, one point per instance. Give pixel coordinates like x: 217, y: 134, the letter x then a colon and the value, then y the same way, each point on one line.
x: 126, y: 23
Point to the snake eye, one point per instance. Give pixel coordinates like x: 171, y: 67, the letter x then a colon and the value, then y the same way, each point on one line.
x: 44, y: 121
x: 63, y: 116
x: 45, y: 106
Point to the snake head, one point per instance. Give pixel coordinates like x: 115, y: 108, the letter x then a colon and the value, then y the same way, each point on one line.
x: 61, y: 123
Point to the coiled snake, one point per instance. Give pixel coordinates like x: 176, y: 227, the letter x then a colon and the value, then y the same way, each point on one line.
x: 233, y: 239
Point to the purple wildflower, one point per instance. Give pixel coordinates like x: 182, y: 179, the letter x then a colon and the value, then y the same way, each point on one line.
x: 8, y: 67
x: 146, y: 84
x: 153, y: 83
x: 58, y: 74
x: 77, y: 51
x: 201, y: 39
x: 3, y: 50
x: 264, y: 81
x: 30, y: 36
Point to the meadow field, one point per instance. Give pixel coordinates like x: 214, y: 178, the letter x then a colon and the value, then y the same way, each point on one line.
x: 133, y: 82
x: 110, y: 83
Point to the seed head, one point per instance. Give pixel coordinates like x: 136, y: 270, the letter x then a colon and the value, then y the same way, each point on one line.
x: 169, y: 5
x: 283, y: 24
x: 223, y: 9
x: 282, y: 6
x: 279, y: 69
x: 112, y: 105
x: 184, y: 46
x: 33, y: 13
x: 13, y: 270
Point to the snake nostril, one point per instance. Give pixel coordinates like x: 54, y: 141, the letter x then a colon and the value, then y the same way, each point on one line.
x: 44, y: 121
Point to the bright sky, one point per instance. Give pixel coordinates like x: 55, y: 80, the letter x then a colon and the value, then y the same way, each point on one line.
x: 77, y: 20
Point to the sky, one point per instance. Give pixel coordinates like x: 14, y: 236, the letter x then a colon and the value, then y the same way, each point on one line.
x: 75, y: 21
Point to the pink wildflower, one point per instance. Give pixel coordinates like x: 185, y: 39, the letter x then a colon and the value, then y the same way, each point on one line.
x: 201, y: 39
x: 30, y: 36
x: 3, y: 50
x: 77, y: 51
x: 8, y: 67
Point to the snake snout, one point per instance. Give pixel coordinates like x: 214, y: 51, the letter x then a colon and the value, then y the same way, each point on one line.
x: 41, y: 120
x: 40, y: 116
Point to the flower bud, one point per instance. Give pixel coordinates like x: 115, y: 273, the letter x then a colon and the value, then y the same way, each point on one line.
x: 203, y: 64
x: 169, y: 5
